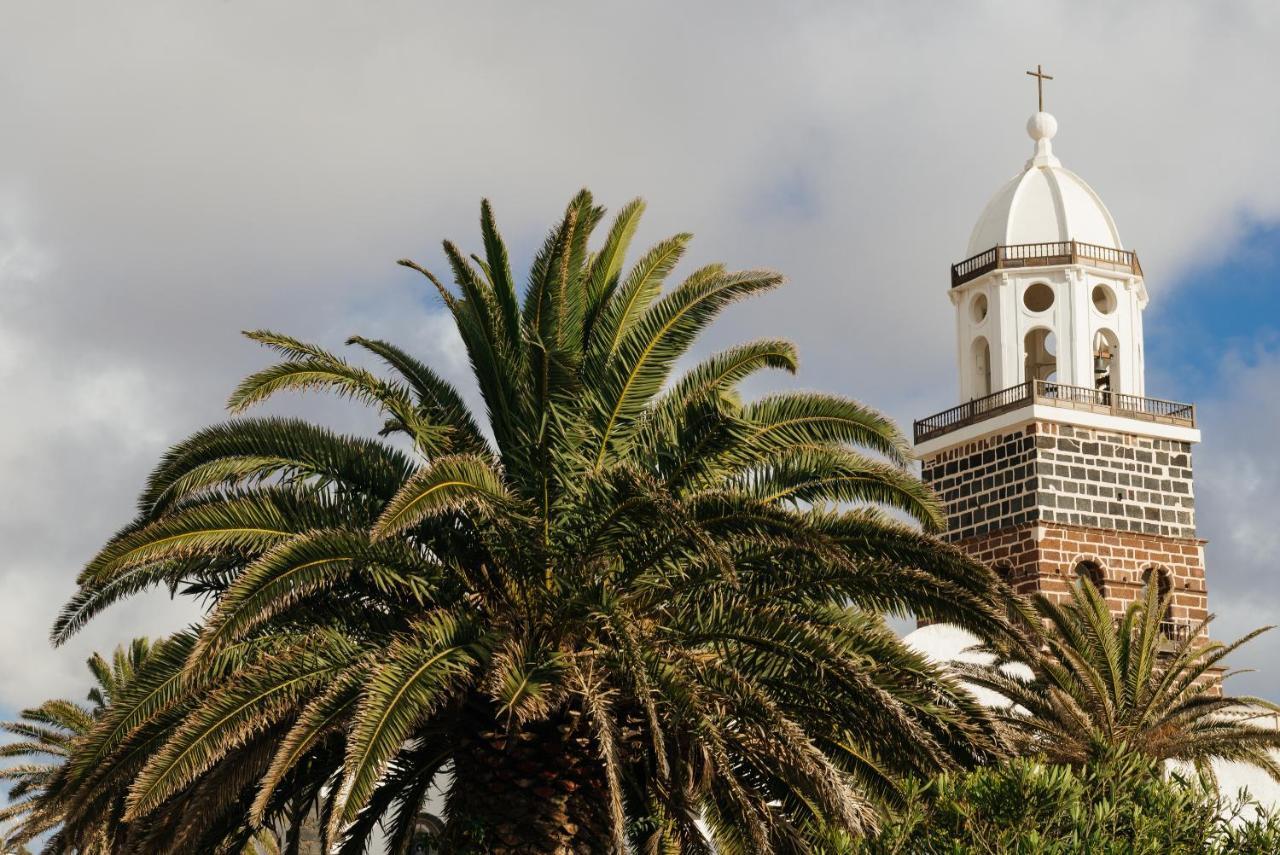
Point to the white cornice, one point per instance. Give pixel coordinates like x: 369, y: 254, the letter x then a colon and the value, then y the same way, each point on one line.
x: 1058, y: 415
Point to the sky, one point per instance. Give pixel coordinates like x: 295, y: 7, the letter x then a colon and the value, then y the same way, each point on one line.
x: 173, y: 173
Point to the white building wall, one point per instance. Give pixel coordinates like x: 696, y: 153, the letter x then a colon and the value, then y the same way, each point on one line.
x: 1073, y: 318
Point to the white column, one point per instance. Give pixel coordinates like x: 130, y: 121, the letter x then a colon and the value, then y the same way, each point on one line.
x: 1006, y: 344
x: 1080, y: 344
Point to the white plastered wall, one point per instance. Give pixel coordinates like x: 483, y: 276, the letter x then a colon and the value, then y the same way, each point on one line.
x: 1073, y: 318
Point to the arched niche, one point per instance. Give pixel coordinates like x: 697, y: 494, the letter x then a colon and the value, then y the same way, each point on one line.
x: 1163, y: 580
x: 1106, y: 361
x: 980, y: 366
x: 1091, y: 569
x: 1040, y: 355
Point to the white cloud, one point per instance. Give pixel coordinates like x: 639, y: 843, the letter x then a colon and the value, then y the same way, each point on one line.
x: 73, y: 426
x: 1237, y: 502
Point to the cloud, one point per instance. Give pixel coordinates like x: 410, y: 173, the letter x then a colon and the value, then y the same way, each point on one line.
x: 174, y: 174
x: 1237, y: 494
x: 86, y: 428
x: 75, y: 425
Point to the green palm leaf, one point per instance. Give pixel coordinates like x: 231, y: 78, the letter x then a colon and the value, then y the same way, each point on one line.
x: 262, y: 695
x: 447, y: 484
x: 313, y: 368
x: 622, y: 307
x: 255, y: 449
x: 646, y: 354
x: 442, y: 401
x: 328, y: 712
x: 1099, y: 683
x: 498, y: 267
x: 244, y: 522
x: 301, y: 567
x: 606, y: 265
x: 412, y: 680
x: 723, y: 371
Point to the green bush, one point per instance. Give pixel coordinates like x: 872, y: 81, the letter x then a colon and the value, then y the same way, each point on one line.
x: 1120, y: 805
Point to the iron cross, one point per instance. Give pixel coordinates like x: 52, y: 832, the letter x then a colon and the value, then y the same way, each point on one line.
x: 1040, y: 77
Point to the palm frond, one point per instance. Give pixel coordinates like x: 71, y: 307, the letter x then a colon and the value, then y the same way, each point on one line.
x: 447, y: 484
x: 636, y: 371
x: 416, y: 676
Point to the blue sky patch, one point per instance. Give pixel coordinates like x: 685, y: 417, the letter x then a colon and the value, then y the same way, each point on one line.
x: 1229, y: 307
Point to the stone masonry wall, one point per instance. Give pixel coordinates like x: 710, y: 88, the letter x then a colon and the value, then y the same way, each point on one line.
x: 986, y: 485
x: 1051, y: 472
x: 1113, y: 480
x: 1040, y: 501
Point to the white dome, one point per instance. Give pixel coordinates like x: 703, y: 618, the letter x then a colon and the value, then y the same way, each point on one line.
x: 1044, y: 203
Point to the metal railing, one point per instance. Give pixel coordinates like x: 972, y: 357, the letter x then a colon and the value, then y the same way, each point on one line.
x: 1176, y: 631
x: 1056, y: 395
x: 1043, y: 255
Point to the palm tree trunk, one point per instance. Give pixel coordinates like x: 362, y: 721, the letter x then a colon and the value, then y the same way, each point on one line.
x: 539, y: 790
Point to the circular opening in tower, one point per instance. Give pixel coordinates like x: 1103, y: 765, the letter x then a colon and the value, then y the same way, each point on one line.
x: 978, y: 308
x: 1104, y: 299
x: 1038, y: 297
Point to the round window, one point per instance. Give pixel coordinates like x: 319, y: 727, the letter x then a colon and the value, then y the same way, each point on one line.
x: 1104, y: 299
x: 1038, y: 297
x: 978, y: 308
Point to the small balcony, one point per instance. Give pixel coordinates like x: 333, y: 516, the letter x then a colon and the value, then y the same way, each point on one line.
x: 1055, y: 395
x: 1018, y: 255
x: 1176, y: 632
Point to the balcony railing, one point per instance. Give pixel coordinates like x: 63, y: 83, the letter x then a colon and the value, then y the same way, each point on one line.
x: 1176, y: 631
x: 1055, y: 395
x: 1042, y: 255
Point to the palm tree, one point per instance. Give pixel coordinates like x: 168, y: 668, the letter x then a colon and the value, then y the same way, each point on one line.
x: 1098, y: 683
x: 622, y: 605
x: 45, y: 736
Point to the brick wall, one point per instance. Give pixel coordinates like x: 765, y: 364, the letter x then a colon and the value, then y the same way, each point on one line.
x: 1114, y: 480
x: 1046, y: 501
x: 1044, y: 557
x: 986, y: 485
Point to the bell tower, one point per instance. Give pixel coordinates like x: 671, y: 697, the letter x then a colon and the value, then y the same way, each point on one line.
x: 1048, y: 291
x: 1056, y: 465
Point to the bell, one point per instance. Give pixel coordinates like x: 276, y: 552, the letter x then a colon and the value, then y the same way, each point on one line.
x: 1101, y: 364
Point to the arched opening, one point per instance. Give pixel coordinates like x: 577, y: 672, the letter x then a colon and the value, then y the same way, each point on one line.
x: 1163, y: 580
x: 981, y: 367
x: 1106, y: 361
x: 1041, y: 358
x: 1004, y: 569
x: 1091, y: 570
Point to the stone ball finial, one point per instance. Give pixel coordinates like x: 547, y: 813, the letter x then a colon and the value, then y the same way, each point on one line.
x: 1042, y: 126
